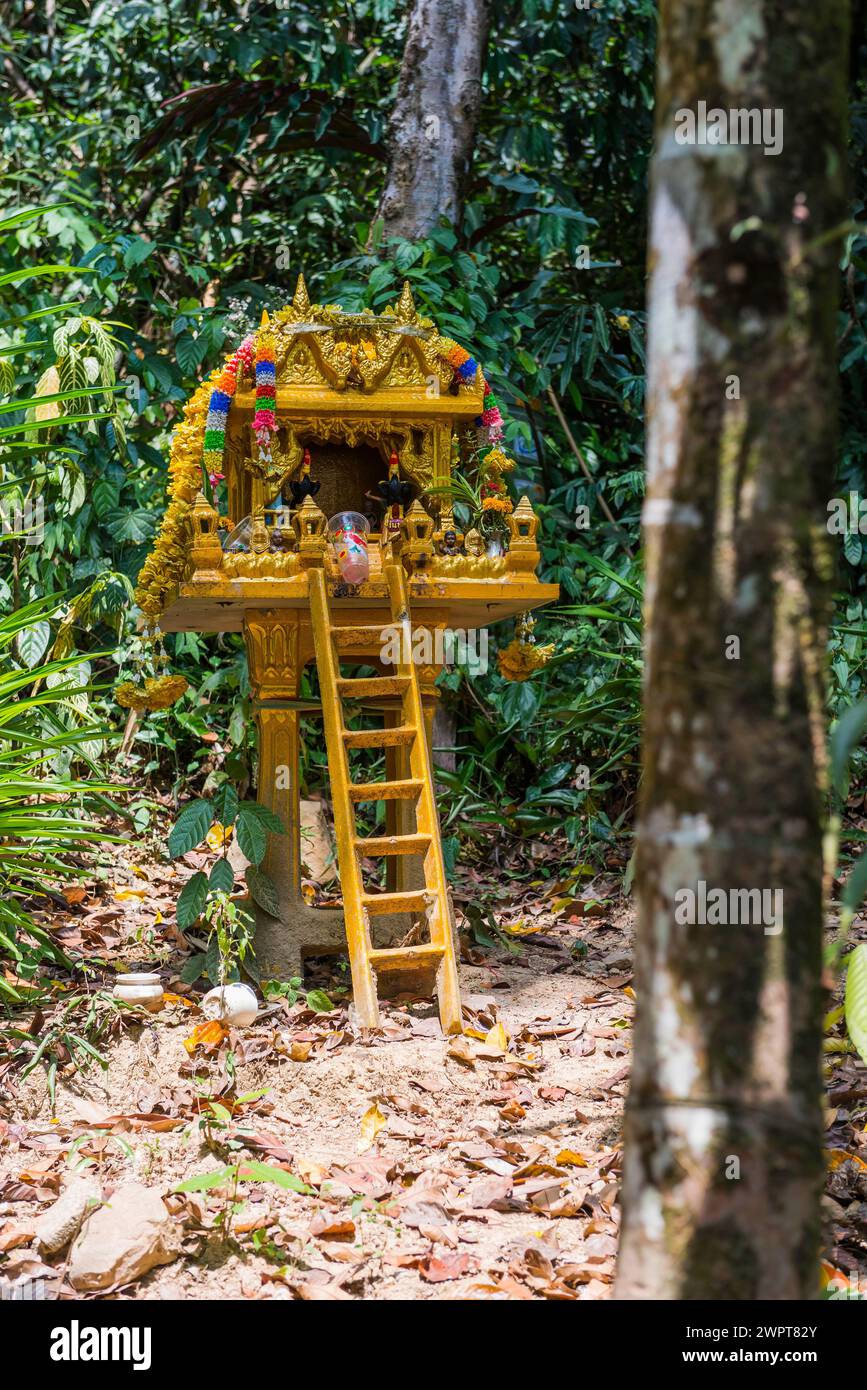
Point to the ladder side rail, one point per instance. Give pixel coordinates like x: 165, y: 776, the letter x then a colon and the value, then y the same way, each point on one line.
x: 440, y: 921
x: 421, y: 766
x: 355, y: 917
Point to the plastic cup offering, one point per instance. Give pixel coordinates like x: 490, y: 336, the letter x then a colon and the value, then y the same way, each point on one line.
x: 347, y: 533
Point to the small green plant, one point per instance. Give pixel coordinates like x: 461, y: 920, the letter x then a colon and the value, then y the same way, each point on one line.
x: 68, y: 1037
x: 79, y: 1163
x: 230, y: 938
x: 315, y: 999
x: 486, y: 932
x: 229, y: 1177
x: 207, y: 898
x: 216, y: 1122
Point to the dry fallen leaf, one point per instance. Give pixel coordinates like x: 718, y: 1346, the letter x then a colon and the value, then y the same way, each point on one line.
x: 497, y: 1038
x: 310, y: 1171
x: 512, y: 1111
x: 461, y: 1051
x: 332, y: 1227
x: 568, y: 1158
x: 218, y: 835
x: 300, y: 1051
x: 372, y: 1122
x: 436, y: 1270
x: 206, y: 1035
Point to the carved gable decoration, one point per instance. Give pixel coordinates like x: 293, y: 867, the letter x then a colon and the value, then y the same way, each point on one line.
x: 321, y: 347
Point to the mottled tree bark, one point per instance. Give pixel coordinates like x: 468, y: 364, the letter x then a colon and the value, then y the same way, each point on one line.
x: 723, y: 1146
x: 433, y: 126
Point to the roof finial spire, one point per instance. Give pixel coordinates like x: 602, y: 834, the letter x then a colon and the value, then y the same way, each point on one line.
x: 405, y: 305
x: 301, y: 302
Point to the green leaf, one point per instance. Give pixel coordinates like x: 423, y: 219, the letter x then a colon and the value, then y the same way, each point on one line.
x: 137, y: 252
x: 190, y: 828
x: 190, y: 352
x: 265, y: 816
x: 856, y: 883
x: 520, y: 703
x: 254, y: 1171
x: 193, y: 968
x: 250, y: 834
x: 134, y: 526
x: 212, y: 960
x: 105, y: 497
x: 262, y: 890
x: 222, y: 878
x: 31, y: 644
x: 225, y: 802
x: 192, y: 900
x: 318, y: 1000
x: 202, y: 1182
x: 848, y: 732
x: 856, y: 999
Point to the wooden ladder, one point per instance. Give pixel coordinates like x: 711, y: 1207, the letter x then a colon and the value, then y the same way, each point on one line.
x: 430, y: 904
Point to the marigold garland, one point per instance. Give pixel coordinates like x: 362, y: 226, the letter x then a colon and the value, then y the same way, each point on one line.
x: 519, y: 661
x: 158, y: 692
x: 522, y: 657
x: 166, y: 565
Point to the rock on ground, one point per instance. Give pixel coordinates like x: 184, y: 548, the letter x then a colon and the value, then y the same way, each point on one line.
x: 58, y: 1225
x: 130, y: 1234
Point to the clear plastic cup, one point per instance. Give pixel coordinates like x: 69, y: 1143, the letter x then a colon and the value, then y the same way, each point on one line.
x: 347, y: 534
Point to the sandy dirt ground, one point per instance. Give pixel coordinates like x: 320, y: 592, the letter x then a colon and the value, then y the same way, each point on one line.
x: 479, y: 1167
x: 482, y: 1167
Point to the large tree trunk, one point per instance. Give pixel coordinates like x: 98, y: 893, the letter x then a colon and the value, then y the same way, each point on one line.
x: 723, y: 1146
x: 433, y: 127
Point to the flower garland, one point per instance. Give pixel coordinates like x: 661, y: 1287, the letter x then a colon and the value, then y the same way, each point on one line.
x: 466, y: 369
x: 493, y: 463
x: 265, y: 419
x: 164, y: 568
x: 157, y: 692
x: 490, y: 418
x: 218, y: 410
x: 522, y: 658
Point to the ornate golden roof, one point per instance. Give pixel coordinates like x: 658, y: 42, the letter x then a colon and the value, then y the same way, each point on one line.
x: 322, y: 346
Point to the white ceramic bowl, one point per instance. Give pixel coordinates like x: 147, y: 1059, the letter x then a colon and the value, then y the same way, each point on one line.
x: 139, y: 988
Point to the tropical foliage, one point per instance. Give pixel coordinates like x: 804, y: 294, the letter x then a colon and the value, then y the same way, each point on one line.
x: 170, y: 169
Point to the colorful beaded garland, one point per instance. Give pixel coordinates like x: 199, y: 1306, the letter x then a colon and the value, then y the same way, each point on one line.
x: 465, y: 368
x: 265, y: 419
x: 218, y: 408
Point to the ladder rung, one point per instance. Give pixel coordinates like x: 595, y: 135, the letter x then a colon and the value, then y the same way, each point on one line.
x: 360, y: 638
x: 406, y: 957
x: 379, y: 738
x: 379, y: 846
x: 382, y: 904
x: 371, y: 685
x: 384, y: 791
